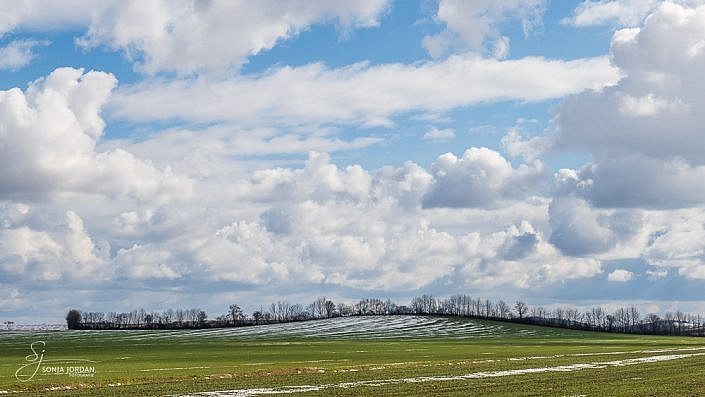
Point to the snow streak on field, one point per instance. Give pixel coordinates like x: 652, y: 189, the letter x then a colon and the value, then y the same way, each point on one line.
x: 373, y: 327
x: 423, y: 379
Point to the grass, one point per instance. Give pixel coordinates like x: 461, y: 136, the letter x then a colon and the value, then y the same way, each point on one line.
x: 380, y: 349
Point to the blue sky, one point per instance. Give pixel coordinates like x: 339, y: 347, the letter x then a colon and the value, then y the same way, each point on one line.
x: 530, y: 149
x: 397, y: 39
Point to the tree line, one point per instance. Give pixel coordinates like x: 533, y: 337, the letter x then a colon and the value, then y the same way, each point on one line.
x: 623, y: 319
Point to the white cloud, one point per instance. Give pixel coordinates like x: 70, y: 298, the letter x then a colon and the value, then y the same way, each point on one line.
x: 11, y: 213
x: 626, y: 13
x: 580, y: 230
x: 521, y: 257
x: 434, y: 134
x: 679, y: 242
x: 472, y: 25
x: 200, y: 152
x: 11, y: 298
x: 647, y: 142
x: 361, y: 94
x: 622, y: 12
x: 529, y: 149
x: 662, y: 238
x: 406, y: 184
x: 576, y: 229
x: 656, y: 274
x: 636, y: 180
x: 188, y: 36
x: 44, y: 15
x: 64, y: 251
x: 341, y: 227
x: 620, y: 276
x: 49, y: 133
x: 18, y: 53
x: 500, y: 50
x: 649, y: 105
x: 145, y: 262
x: 480, y: 178
x: 245, y: 252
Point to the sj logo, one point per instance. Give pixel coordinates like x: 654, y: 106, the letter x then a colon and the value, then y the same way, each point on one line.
x: 35, y: 363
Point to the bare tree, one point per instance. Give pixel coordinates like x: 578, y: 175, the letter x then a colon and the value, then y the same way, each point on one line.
x: 257, y: 316
x: 521, y: 308
x: 573, y: 316
x: 634, y: 315
x: 235, y: 313
x: 329, y: 308
x: 201, y: 316
x: 503, y: 309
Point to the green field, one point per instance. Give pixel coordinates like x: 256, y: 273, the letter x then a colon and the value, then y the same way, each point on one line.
x: 390, y: 355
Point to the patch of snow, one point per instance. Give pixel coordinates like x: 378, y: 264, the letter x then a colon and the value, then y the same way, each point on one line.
x: 169, y: 369
x: 423, y: 379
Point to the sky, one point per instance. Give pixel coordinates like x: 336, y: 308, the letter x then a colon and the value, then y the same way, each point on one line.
x: 198, y: 153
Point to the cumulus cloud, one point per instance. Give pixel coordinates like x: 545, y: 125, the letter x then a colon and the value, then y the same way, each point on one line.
x: 368, y: 95
x: 48, y: 139
x: 318, y: 180
x: 11, y: 298
x: 434, y: 134
x: 580, y: 230
x: 18, y: 53
x: 662, y: 238
x: 50, y: 252
x: 246, y: 252
x: 529, y: 149
x: 406, y: 184
x: 520, y: 256
x: 654, y: 86
x: 343, y: 227
x: 519, y: 246
x: 480, y: 178
x: 679, y: 243
x: 472, y: 25
x: 318, y: 225
x: 620, y: 276
x: 141, y: 262
x: 647, y: 142
x: 636, y: 180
